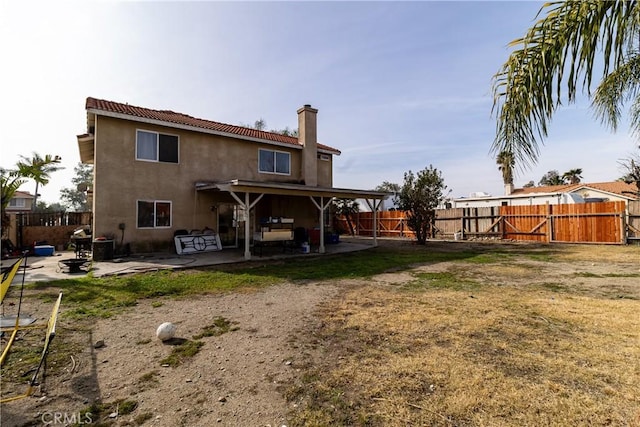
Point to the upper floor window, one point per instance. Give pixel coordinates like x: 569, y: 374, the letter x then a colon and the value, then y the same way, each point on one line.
x: 154, y: 214
x: 17, y: 203
x: 271, y: 161
x: 156, y: 147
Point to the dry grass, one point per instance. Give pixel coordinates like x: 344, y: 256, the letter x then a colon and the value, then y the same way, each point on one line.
x: 598, y: 253
x: 452, y: 347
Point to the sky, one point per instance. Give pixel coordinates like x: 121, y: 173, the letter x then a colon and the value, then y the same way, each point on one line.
x: 399, y: 85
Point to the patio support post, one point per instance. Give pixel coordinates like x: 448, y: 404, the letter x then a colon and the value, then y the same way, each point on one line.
x: 247, y: 228
x: 247, y: 206
x: 321, y: 207
x: 374, y: 205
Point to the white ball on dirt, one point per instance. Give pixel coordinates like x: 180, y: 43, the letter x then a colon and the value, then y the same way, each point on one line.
x: 166, y: 331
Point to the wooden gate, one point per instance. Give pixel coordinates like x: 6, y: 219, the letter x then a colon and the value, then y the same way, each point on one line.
x: 526, y: 222
x: 568, y: 223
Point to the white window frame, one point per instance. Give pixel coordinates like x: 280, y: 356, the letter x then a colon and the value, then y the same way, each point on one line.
x: 157, y: 134
x: 17, y: 203
x: 155, y: 216
x: 275, y: 163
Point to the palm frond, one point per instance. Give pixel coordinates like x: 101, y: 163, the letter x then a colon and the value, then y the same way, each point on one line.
x: 560, y: 49
x: 620, y: 86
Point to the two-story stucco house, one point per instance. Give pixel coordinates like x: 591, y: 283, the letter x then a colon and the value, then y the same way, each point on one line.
x: 22, y: 201
x: 158, y: 173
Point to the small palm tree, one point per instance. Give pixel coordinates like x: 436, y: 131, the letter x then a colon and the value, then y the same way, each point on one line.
x: 552, y: 178
x: 10, y: 182
x: 573, y: 176
x: 39, y: 169
x: 506, y: 162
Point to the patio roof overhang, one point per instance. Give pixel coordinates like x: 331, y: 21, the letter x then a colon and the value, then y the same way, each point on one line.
x: 320, y: 196
x: 287, y: 189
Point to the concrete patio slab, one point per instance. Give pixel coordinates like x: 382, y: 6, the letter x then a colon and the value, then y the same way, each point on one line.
x: 48, y: 268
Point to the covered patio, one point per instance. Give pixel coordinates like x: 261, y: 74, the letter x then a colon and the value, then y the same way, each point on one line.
x: 247, y: 194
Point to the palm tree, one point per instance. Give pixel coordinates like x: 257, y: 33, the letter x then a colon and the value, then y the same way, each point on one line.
x: 10, y: 182
x: 552, y: 178
x: 565, y: 47
x: 506, y: 162
x: 39, y: 169
x: 573, y: 176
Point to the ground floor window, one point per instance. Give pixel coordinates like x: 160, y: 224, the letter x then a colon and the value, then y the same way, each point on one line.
x: 154, y: 214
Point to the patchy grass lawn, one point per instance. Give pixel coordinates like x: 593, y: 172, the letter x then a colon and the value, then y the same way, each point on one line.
x: 451, y: 334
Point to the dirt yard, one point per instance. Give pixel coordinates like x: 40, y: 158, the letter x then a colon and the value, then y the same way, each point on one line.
x: 241, y: 377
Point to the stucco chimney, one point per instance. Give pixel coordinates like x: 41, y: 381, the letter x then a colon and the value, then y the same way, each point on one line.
x: 308, y: 137
x: 508, y: 189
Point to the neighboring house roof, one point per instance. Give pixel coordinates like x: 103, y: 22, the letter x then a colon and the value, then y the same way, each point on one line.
x: 22, y: 195
x: 619, y: 188
x: 172, y: 118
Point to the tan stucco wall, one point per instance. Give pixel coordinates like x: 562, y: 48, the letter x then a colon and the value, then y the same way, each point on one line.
x: 120, y: 180
x: 325, y: 172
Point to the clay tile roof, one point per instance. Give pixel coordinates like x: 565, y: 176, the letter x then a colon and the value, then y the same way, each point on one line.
x: 547, y: 189
x: 169, y: 116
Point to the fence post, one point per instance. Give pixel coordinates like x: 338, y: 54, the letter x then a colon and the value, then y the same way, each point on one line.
x: 549, y: 223
x: 501, y: 227
x: 623, y: 226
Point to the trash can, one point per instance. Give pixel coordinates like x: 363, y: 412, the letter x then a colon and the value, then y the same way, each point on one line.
x: 102, y: 250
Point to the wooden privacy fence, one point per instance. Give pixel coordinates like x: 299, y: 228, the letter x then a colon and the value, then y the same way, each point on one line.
x: 390, y: 224
x: 606, y: 222
x: 54, y: 228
